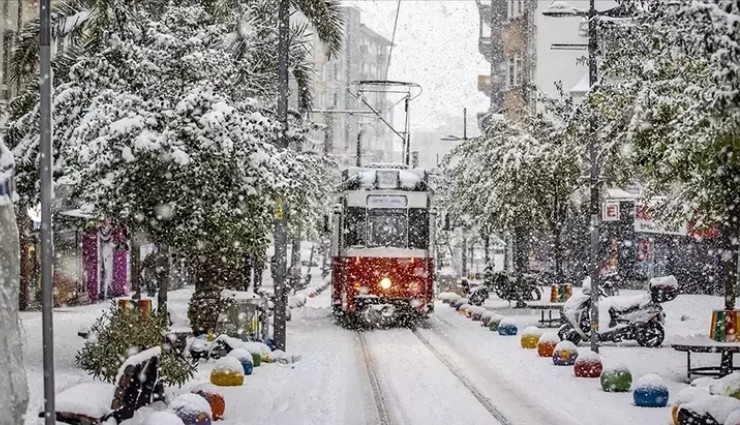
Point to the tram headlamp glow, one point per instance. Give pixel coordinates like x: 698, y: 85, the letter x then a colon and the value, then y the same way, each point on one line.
x: 385, y: 283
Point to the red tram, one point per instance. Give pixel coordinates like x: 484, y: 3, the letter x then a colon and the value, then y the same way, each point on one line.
x: 382, y: 245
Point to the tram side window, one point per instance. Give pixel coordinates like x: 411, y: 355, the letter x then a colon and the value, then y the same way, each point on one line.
x: 354, y: 227
x: 418, y: 228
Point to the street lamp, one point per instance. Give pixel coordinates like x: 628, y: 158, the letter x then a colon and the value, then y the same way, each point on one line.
x: 559, y: 9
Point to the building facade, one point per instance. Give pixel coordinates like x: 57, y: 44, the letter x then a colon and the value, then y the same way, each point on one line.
x: 364, y: 56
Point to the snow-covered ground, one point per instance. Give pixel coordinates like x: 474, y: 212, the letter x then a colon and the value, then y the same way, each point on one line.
x: 467, y: 368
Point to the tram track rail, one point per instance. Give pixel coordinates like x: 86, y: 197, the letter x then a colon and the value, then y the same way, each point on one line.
x: 464, y: 380
x: 373, y: 377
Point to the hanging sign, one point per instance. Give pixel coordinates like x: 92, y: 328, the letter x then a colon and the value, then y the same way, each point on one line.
x: 645, y: 222
x: 610, y: 211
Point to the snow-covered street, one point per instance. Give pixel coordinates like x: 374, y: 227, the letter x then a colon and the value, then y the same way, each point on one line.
x: 450, y: 370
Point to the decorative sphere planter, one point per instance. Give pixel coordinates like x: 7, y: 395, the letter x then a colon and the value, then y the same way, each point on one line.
x: 617, y: 379
x: 530, y: 338
x: 464, y: 309
x: 477, y: 313
x: 565, y: 354
x: 494, y: 323
x: 485, y: 319
x: 228, y: 372
x: 215, y: 400
x: 459, y: 303
x: 507, y: 328
x: 588, y: 365
x: 650, y: 391
x: 547, y: 343
x: 192, y: 409
x: 245, y: 358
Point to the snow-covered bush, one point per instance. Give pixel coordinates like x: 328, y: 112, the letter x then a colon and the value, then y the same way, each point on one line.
x: 120, y: 333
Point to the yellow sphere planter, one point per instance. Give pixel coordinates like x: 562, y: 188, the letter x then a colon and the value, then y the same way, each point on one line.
x: 228, y: 372
x: 530, y: 338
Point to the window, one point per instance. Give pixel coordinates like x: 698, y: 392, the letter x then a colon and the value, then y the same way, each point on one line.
x: 519, y: 70
x: 387, y: 227
x: 419, y: 228
x: 510, y: 9
x: 354, y: 227
x: 514, y: 8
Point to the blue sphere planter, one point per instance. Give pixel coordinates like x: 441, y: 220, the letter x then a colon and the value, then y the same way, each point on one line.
x: 270, y: 342
x: 247, y: 366
x: 650, y: 397
x: 507, y: 329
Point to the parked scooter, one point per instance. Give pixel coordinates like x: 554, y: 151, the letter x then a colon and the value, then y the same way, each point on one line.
x: 641, y: 320
x: 611, y: 281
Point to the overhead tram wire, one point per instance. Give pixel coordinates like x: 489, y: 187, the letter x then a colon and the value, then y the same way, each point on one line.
x: 393, y: 39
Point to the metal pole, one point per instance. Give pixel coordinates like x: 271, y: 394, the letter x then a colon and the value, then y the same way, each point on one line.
x: 47, y: 241
x: 407, y: 136
x: 465, y: 123
x: 594, y: 182
x: 280, y: 238
x: 359, y: 146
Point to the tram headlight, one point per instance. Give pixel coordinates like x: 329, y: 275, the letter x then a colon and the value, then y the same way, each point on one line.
x: 385, y: 283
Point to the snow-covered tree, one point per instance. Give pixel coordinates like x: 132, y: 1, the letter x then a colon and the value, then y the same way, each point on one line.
x: 517, y: 176
x: 672, y: 85
x: 160, y: 132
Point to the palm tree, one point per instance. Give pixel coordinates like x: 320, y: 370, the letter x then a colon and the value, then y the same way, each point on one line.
x: 87, y: 24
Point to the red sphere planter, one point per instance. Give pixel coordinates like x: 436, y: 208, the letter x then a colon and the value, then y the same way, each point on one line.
x: 588, y: 365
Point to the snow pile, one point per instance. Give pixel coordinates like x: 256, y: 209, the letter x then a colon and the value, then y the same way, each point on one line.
x: 616, y: 368
x: 565, y: 346
x: 163, y: 418
x: 447, y: 296
x: 241, y: 354
x: 733, y: 419
x: 727, y: 386
x: 91, y: 399
x: 256, y: 347
x: 688, y: 394
x: 477, y: 310
x: 280, y: 356
x: 650, y: 381
x: 229, y: 365
x: 229, y: 294
x: 549, y: 337
x: 664, y: 282
x: 189, y: 403
x: 297, y: 300
x: 588, y: 356
x: 138, y: 359
x: 532, y: 331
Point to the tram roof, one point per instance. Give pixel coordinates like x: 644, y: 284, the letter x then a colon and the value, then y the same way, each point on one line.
x: 385, y: 178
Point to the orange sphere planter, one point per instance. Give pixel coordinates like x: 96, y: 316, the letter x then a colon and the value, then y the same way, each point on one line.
x: 546, y: 344
x: 215, y: 400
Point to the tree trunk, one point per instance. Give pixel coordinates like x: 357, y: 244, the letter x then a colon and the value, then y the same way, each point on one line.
x: 486, y: 249
x: 558, y: 253
x: 521, y: 249
x: 210, y: 278
x: 731, y: 267
x: 163, y: 278
x: 295, y: 263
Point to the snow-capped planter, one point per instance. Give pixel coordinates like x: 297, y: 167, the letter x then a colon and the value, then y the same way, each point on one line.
x: 477, y: 313
x: 650, y: 391
x: 547, y: 343
x: 565, y: 354
x: 485, y: 318
x: 459, y: 303
x: 448, y: 297
x: 588, y: 365
x: 530, y: 337
x: 686, y: 395
x: 163, y: 418
x: 507, y: 327
x: 227, y: 372
x: 495, y: 322
x: 707, y: 409
x: 465, y: 309
x: 245, y: 358
x: 727, y: 385
x: 192, y: 409
x: 616, y: 379
x: 215, y: 400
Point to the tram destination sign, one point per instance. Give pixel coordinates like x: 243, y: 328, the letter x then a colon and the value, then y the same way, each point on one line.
x: 387, y: 201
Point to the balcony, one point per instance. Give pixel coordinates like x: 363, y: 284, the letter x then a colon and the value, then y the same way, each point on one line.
x: 485, y: 10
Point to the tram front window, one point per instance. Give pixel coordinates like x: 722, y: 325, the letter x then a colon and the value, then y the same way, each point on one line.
x: 387, y: 228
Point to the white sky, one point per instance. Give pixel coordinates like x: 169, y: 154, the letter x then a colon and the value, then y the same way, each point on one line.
x: 436, y: 47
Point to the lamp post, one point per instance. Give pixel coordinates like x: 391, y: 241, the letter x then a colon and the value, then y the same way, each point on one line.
x: 559, y: 9
x: 280, y: 235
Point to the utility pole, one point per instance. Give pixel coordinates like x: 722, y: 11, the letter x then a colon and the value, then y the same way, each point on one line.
x: 358, y: 162
x: 47, y: 193
x: 280, y: 237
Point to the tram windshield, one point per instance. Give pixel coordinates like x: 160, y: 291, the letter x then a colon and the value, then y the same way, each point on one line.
x: 387, y: 228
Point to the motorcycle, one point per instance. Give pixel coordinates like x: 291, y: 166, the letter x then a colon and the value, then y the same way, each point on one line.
x: 641, y: 319
x: 516, y: 287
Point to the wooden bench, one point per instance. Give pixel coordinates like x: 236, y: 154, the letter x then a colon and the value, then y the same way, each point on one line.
x: 703, y: 344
